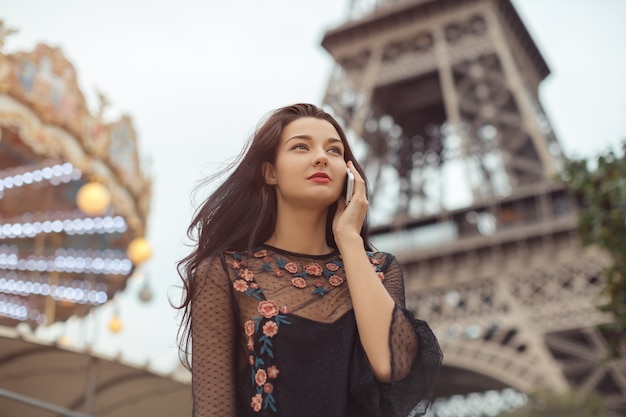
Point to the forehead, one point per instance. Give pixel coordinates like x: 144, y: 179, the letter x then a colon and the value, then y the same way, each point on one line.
x: 309, y: 126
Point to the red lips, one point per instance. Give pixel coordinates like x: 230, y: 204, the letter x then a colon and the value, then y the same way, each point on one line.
x: 319, y: 175
x: 320, y: 178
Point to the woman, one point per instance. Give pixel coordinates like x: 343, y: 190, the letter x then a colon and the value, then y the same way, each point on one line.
x: 290, y: 311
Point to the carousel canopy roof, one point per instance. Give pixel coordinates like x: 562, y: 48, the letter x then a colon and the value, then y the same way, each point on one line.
x: 37, y: 377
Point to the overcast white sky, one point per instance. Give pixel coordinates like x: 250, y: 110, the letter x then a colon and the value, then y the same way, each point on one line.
x: 196, y: 76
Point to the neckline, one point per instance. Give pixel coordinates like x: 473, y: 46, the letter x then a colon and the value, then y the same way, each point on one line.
x: 285, y: 252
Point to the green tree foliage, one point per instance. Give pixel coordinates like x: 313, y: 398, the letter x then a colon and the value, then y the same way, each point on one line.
x: 570, y: 404
x: 601, y: 189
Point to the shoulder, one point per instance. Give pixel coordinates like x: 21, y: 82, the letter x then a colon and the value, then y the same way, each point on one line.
x: 225, y: 259
x: 213, y: 268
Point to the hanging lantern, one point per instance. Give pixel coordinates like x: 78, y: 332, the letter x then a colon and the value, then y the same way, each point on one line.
x: 139, y: 251
x: 93, y: 198
x: 145, y: 294
x: 115, y: 324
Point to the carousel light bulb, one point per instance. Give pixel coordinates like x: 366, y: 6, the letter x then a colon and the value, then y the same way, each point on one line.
x: 65, y: 340
x: 139, y: 250
x: 115, y: 324
x: 93, y: 198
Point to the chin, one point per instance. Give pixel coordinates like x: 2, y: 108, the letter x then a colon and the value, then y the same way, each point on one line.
x: 321, y: 200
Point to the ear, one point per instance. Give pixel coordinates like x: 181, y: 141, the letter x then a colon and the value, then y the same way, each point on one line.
x: 269, y: 174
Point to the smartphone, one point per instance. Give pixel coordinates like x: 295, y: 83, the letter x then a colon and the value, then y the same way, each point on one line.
x: 349, y: 185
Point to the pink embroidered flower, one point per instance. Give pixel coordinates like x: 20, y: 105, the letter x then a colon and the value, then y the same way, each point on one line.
x: 267, y: 259
x: 260, y: 254
x: 233, y: 264
x: 332, y: 267
x: 250, y: 343
x: 249, y: 327
x: 240, y: 285
x: 375, y: 261
x: 284, y: 310
x: 318, y: 283
x: 251, y: 360
x: 260, y: 378
x: 246, y: 274
x: 254, y: 285
x: 268, y: 388
x: 298, y: 282
x: 380, y: 275
x: 291, y: 267
x: 278, y: 273
x: 268, y: 309
x: 257, y: 402
x: 335, y: 280
x: 272, y: 372
x: 313, y: 269
x: 270, y: 329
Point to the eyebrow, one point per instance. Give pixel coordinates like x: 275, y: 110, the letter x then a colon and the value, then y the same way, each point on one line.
x: 308, y: 137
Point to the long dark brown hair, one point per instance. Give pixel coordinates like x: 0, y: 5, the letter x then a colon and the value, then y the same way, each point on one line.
x: 241, y: 213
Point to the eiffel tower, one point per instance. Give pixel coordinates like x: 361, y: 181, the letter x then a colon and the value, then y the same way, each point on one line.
x: 441, y: 97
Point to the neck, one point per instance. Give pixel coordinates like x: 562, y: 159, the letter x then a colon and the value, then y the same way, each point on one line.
x: 301, y: 231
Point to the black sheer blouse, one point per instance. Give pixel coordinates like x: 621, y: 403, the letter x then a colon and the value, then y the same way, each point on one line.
x: 274, y: 334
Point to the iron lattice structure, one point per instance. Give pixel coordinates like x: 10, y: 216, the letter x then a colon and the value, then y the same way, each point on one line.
x: 442, y: 96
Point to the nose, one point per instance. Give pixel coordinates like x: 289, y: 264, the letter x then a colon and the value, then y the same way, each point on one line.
x: 320, y: 159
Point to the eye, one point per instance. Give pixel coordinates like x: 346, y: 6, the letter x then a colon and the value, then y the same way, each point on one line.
x: 299, y: 146
x: 336, y: 149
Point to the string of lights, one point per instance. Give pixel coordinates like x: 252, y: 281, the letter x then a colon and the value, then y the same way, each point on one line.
x: 16, y: 308
x: 78, y: 225
x: 56, y: 174
x: 76, y: 291
x: 74, y: 264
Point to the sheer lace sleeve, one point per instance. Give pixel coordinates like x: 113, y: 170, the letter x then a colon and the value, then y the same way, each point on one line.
x: 415, y: 358
x: 213, y: 342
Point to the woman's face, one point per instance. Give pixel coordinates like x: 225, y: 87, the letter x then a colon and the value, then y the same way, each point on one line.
x: 310, y: 169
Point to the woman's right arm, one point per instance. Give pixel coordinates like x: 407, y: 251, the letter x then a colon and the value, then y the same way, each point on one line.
x: 213, y: 342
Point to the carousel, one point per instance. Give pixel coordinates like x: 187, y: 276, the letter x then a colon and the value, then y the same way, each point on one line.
x: 74, y: 202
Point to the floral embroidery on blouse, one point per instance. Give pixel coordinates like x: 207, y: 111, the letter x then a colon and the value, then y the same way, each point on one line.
x: 266, y: 326
x: 376, y: 265
x: 300, y: 274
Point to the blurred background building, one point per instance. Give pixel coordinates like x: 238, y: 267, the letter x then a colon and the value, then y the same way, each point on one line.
x: 74, y: 203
